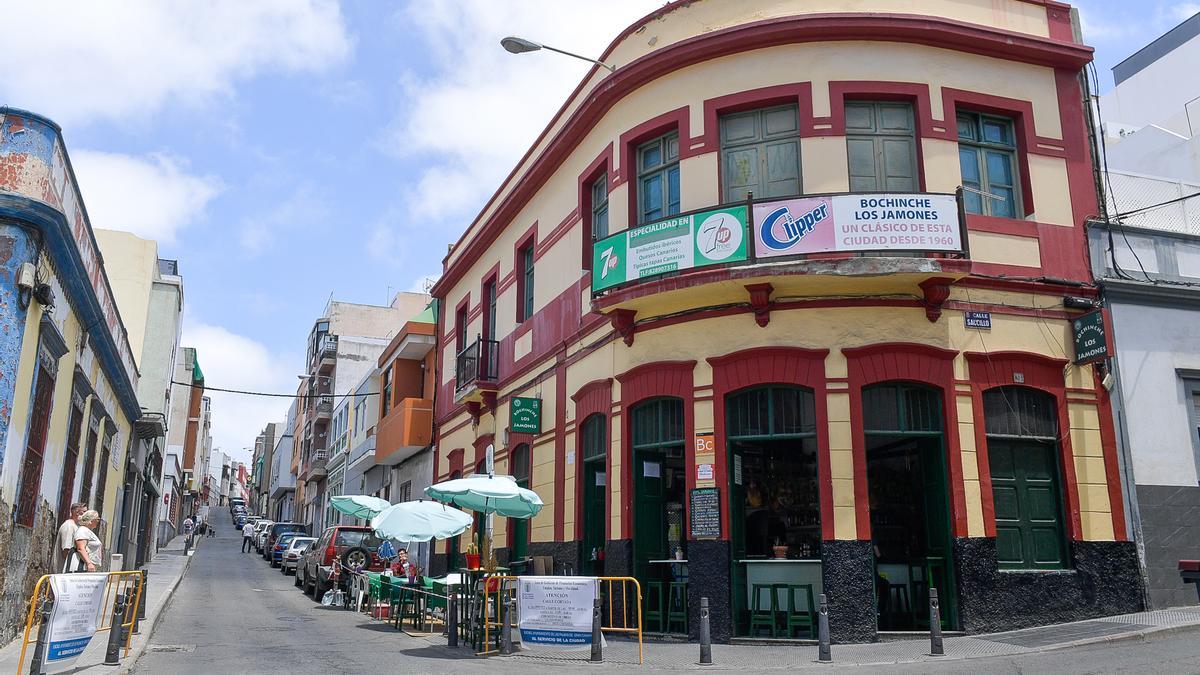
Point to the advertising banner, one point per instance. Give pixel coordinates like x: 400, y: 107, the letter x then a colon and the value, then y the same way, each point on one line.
x: 525, y: 415
x: 864, y: 222
x: 1091, y: 340
x: 78, y: 601
x: 677, y: 243
x: 556, y: 610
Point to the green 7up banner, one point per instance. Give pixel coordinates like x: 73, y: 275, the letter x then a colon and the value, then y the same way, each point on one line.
x: 670, y: 245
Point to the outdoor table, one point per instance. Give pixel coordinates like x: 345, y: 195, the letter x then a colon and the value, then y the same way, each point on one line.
x: 477, y: 601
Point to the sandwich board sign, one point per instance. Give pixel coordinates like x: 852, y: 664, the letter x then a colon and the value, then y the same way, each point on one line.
x: 78, y: 601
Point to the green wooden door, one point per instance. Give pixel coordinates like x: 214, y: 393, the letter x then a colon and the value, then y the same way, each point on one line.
x: 737, y: 540
x: 593, y: 448
x: 939, y: 556
x: 518, y: 463
x: 657, y: 430
x: 1029, y: 531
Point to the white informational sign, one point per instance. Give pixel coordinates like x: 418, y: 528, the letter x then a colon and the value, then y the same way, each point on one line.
x: 78, y: 601
x: 556, y: 610
x: 704, y: 472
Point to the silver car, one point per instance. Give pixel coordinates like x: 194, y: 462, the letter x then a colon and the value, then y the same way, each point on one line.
x: 291, y: 555
x: 260, y: 533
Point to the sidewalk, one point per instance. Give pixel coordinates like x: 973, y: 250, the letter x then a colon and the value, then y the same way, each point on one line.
x: 162, y: 576
x: 622, y: 654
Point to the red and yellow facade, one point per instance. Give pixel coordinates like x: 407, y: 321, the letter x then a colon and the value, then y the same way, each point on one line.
x: 867, y: 361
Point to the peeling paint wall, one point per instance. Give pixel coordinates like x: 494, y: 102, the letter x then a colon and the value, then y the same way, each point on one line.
x: 15, y: 249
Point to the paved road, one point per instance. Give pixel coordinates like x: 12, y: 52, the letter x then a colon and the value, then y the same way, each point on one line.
x: 232, y: 613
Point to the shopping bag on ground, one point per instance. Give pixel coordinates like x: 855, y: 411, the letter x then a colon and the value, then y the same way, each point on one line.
x: 327, y: 599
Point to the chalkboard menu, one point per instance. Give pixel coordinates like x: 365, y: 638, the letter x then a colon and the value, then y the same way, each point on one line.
x: 706, y: 513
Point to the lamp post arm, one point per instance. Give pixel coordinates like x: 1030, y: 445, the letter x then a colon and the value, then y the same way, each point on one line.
x: 611, y: 69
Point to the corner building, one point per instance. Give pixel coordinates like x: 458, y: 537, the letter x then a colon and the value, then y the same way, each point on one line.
x: 746, y: 360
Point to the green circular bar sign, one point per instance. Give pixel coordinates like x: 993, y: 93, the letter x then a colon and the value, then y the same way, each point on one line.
x: 525, y: 415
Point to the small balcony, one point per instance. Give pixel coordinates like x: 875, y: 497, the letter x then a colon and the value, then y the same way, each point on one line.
x: 405, y: 430
x: 323, y: 411
x: 327, y: 354
x: 475, y: 370
x: 316, y: 465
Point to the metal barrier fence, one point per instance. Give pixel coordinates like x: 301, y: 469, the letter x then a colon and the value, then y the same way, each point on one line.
x: 125, y: 587
x: 617, y: 615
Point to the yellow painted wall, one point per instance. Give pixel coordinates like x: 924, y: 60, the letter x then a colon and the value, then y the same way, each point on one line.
x: 131, y: 264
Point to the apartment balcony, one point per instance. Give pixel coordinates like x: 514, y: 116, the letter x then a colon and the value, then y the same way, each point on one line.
x: 404, y: 431
x: 326, y: 355
x: 776, y: 253
x: 475, y: 370
x: 323, y: 410
x: 316, y: 465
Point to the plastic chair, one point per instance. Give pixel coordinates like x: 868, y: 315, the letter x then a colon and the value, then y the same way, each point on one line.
x: 764, y: 617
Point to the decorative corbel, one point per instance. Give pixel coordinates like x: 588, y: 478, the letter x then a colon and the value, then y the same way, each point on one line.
x: 623, y: 321
x: 475, y: 409
x: 489, y: 400
x: 936, y: 291
x: 760, y: 301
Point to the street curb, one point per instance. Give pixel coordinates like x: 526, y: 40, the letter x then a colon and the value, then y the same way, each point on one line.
x: 1136, y: 636
x: 146, y: 628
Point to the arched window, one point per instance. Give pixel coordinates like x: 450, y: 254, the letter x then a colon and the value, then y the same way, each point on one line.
x: 1022, y: 446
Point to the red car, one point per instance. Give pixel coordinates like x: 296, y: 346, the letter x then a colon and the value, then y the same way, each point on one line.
x: 343, y: 546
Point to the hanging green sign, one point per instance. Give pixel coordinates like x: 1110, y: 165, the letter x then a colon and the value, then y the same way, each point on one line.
x: 525, y: 415
x: 1091, y: 340
x: 677, y: 243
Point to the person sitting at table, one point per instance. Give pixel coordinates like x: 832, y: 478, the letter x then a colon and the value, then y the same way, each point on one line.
x: 401, y: 567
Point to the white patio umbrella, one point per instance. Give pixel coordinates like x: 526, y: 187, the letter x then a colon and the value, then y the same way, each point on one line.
x: 359, y: 506
x: 488, y: 494
x: 420, y: 521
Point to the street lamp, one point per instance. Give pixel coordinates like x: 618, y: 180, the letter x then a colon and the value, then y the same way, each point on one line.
x: 516, y: 45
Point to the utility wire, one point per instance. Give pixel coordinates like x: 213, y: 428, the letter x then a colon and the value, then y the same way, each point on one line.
x: 272, y: 394
x: 1158, y: 205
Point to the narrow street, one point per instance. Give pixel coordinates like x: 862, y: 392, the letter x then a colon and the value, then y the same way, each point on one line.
x: 232, y: 613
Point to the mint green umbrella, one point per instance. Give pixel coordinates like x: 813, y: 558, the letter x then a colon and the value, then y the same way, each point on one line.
x: 420, y: 521
x: 359, y: 506
x: 488, y: 494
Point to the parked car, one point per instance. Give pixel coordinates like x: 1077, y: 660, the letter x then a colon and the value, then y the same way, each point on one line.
x: 346, y: 545
x: 260, y: 528
x: 271, y: 549
x: 296, y: 547
x: 239, y: 522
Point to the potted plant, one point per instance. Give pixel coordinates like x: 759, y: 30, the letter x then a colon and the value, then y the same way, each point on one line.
x: 472, y: 556
x: 780, y: 550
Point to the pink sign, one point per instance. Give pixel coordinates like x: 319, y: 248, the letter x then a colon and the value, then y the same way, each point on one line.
x: 794, y: 226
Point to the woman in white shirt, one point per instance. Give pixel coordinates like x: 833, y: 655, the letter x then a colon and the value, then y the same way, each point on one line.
x: 87, y: 545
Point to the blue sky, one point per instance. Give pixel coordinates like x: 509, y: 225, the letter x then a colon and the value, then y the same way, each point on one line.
x: 287, y: 150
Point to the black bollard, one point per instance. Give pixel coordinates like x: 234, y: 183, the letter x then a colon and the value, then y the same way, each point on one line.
x: 506, y: 646
x: 823, y: 653
x: 597, y: 654
x: 39, y: 649
x: 705, y: 634
x: 935, y: 625
x: 452, y: 619
x: 112, y: 657
x: 142, y: 596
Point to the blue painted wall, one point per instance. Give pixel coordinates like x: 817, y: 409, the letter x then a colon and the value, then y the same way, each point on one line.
x: 15, y: 248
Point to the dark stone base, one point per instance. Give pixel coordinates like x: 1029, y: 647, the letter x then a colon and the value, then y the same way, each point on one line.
x: 1170, y: 533
x: 708, y: 576
x: 848, y: 576
x: 565, y: 554
x: 618, y: 558
x: 1105, y: 580
x: 437, y: 564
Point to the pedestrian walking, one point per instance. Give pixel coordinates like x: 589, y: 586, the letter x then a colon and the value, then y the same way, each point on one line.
x: 189, y: 528
x: 66, y: 535
x: 247, y: 536
x: 212, y: 531
x: 88, y: 555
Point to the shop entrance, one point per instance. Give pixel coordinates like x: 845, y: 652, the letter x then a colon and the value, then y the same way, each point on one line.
x: 593, y: 488
x: 774, y: 511
x: 908, y: 488
x: 659, y: 487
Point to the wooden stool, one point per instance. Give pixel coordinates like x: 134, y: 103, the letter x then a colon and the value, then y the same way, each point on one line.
x: 656, y: 615
x: 797, y: 618
x: 677, y: 607
x: 764, y: 616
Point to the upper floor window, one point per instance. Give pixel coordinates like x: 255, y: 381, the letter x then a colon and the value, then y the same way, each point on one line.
x: 760, y: 153
x: 600, y: 208
x: 658, y: 178
x: 385, y: 395
x: 525, y: 282
x: 987, y: 156
x: 881, y: 147
x: 489, y: 297
x: 460, y: 328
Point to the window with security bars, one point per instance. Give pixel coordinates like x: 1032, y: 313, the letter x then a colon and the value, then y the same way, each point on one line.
x: 102, y: 480
x: 404, y: 493
x: 771, y: 411
x: 1022, y: 432
x: 658, y: 425
x: 593, y: 435
x: 902, y: 408
x: 89, y: 460
x: 987, y: 156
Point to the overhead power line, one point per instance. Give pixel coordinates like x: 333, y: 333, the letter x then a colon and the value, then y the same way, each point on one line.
x: 272, y: 394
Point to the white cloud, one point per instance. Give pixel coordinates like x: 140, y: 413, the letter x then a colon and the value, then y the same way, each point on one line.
x: 233, y: 361
x: 477, y: 114
x: 151, y: 196
x: 78, y: 61
x: 304, y: 207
